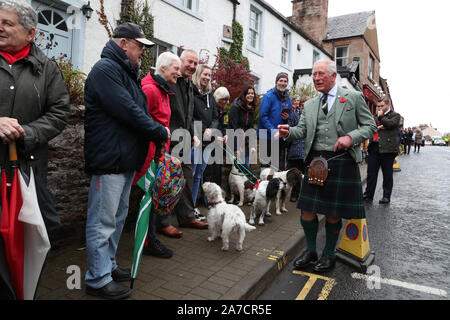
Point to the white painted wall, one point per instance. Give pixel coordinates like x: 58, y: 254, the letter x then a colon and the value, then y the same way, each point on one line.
x: 204, y: 30
x: 96, y: 35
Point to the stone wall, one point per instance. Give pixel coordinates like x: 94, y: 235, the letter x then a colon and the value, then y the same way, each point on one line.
x: 67, y: 180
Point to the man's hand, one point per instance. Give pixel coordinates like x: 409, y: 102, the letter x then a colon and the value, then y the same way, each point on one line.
x: 10, y: 130
x: 284, y: 115
x: 196, y: 142
x: 207, y: 134
x: 343, y: 143
x: 283, y: 131
x: 168, y: 133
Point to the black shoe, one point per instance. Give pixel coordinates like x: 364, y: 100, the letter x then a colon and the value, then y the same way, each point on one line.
x: 111, y: 291
x: 305, y: 259
x: 157, y: 249
x: 325, y: 264
x: 294, y: 198
x: 120, y: 275
x: 367, y: 198
x: 384, y: 201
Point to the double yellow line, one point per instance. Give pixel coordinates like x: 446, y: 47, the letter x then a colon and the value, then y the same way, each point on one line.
x: 329, y: 284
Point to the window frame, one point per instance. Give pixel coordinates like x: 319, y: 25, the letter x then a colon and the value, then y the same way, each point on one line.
x: 286, y: 48
x: 371, y: 70
x: 342, y: 57
x: 316, y: 56
x: 181, y: 5
x: 259, y: 48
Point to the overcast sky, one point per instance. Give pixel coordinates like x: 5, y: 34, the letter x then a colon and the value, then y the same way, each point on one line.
x: 412, y: 37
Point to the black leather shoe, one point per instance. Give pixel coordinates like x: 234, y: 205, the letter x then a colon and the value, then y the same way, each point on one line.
x: 305, y: 259
x: 367, y: 198
x: 157, y: 249
x: 325, y: 264
x: 120, y: 275
x: 111, y: 291
x: 384, y: 200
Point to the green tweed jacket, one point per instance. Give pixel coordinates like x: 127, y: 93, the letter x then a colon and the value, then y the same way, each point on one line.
x: 353, y: 118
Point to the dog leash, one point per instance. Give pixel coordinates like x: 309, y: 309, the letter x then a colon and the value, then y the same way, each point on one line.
x: 241, y: 167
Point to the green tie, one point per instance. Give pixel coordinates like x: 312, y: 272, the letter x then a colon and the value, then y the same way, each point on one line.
x: 324, y: 103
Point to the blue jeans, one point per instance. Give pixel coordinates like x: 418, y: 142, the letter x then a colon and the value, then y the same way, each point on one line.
x: 107, y: 210
x: 199, y: 164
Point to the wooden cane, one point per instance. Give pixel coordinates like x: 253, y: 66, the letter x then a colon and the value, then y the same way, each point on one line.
x: 12, y: 151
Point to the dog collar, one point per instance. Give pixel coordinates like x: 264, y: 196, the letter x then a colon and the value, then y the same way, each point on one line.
x: 256, y: 185
x: 215, y: 203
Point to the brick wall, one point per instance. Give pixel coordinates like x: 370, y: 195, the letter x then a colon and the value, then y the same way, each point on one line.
x: 311, y: 16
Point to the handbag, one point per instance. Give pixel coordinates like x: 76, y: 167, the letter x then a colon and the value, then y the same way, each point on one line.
x: 169, y: 183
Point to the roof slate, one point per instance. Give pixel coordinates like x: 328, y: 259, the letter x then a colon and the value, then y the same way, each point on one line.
x: 349, y: 25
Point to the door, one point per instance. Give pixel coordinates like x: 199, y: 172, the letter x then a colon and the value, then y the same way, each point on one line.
x: 53, y: 35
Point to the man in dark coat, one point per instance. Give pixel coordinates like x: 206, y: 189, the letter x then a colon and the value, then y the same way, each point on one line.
x: 118, y: 129
x: 382, y: 151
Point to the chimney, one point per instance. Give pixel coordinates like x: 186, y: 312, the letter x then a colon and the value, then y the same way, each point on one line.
x: 311, y: 16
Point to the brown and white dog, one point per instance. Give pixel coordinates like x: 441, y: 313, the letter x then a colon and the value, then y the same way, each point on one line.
x: 290, y: 177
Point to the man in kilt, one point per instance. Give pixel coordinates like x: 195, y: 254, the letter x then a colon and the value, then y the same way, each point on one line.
x: 334, y: 124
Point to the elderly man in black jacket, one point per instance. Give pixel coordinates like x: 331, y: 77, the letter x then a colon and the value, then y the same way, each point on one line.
x: 382, y: 151
x: 118, y: 129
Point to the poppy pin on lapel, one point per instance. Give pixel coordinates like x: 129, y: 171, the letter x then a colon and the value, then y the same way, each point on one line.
x: 343, y: 100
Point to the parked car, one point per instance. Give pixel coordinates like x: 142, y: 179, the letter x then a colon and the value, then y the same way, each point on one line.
x: 439, y: 142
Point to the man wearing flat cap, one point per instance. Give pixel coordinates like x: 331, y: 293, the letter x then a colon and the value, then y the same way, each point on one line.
x: 274, y: 110
x: 118, y: 129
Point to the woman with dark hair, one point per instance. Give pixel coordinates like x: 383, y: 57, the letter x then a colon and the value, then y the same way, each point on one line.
x: 242, y: 116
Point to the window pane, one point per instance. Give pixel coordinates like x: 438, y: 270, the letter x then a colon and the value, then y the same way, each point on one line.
x: 283, y: 56
x: 42, y: 20
x: 187, y: 4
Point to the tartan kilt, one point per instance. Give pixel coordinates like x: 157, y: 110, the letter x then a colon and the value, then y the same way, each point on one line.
x: 341, y: 196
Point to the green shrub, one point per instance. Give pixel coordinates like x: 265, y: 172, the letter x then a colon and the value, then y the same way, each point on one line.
x: 74, y: 80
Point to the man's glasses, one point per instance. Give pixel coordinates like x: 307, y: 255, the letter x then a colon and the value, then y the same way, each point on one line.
x: 138, y: 44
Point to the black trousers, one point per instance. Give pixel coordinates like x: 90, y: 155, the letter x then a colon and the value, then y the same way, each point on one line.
x: 386, y: 162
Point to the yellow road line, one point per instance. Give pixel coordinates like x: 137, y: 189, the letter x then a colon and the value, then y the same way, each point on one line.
x: 310, y: 283
x: 306, y: 289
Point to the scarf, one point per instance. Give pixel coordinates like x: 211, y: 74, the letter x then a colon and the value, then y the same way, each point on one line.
x: 23, y: 53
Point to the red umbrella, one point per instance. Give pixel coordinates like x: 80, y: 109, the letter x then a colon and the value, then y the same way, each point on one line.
x: 11, y: 228
x: 6, y: 284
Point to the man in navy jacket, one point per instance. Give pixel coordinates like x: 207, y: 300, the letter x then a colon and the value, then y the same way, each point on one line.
x: 118, y: 129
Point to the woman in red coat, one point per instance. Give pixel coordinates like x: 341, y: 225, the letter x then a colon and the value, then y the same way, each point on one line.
x: 156, y: 88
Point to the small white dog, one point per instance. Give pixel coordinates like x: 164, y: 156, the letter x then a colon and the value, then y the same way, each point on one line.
x: 290, y: 177
x: 264, y: 194
x: 224, y: 218
x: 236, y: 181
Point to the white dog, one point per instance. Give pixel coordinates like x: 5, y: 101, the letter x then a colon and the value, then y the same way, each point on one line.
x: 265, y: 193
x: 290, y: 177
x: 224, y: 218
x: 236, y: 181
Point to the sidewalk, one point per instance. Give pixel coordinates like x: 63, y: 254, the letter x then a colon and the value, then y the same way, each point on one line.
x: 198, y: 269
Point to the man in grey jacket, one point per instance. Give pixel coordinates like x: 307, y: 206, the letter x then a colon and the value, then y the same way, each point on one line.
x: 382, y: 151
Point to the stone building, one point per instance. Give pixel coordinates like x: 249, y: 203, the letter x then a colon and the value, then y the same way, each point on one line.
x: 352, y: 41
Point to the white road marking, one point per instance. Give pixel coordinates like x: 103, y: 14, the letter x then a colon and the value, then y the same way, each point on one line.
x: 402, y: 284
